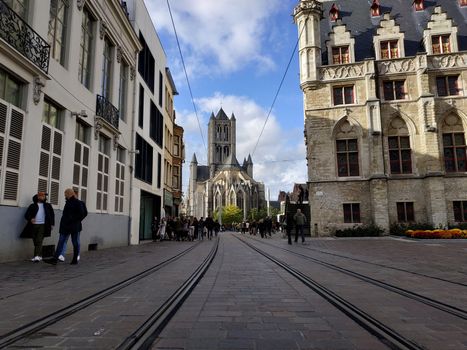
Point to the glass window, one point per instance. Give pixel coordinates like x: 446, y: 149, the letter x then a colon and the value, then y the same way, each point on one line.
x: 347, y: 157
x: 107, y: 70
x: 460, y: 211
x: 389, y: 49
x: 82, y: 132
x: 400, y: 154
x: 57, y: 29
x: 440, y: 44
x: 51, y: 115
x: 123, y: 90
x: 454, y: 152
x: 448, y: 85
x: 86, y: 43
x: 418, y: 5
x: 10, y: 89
x: 352, y: 213
x: 405, y: 212
x: 20, y: 7
x: 394, y: 90
x: 343, y: 95
x: 340, y: 55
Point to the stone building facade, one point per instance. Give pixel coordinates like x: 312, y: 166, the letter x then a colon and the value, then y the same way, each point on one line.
x: 385, y: 110
x: 223, y: 181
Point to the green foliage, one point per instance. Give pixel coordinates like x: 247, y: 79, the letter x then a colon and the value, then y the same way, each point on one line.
x: 460, y: 226
x: 231, y: 214
x: 360, y: 231
x: 398, y: 229
x: 256, y: 214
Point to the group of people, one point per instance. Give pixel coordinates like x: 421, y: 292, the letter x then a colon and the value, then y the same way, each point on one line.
x: 265, y: 227
x: 40, y: 219
x: 184, y: 228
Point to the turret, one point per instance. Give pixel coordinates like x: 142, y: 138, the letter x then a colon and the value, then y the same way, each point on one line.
x: 249, y: 166
x: 307, y: 16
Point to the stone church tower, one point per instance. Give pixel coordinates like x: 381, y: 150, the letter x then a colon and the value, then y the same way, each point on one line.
x: 223, y: 181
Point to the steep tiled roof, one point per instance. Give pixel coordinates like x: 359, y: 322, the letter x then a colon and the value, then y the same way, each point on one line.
x: 202, y: 173
x: 356, y: 16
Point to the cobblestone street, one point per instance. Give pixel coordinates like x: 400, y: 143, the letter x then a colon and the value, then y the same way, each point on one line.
x: 354, y: 294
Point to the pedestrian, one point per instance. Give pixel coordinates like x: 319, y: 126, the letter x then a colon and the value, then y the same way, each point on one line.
x: 300, y: 195
x: 195, y: 228
x: 288, y: 225
x: 61, y: 257
x: 209, y: 224
x: 70, y: 225
x: 217, y: 227
x: 161, y: 230
x: 201, y: 229
x: 300, y: 221
x: 155, y: 229
x: 40, y: 218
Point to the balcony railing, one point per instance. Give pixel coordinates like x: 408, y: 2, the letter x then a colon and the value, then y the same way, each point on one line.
x: 16, y: 32
x: 107, y: 111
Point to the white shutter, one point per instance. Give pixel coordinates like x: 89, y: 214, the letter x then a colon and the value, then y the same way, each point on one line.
x: 50, y: 162
x: 11, y: 135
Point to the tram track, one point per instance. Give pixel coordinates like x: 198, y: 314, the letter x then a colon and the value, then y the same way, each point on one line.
x: 37, y: 325
x: 147, y: 333
x: 450, y: 309
x: 386, y: 266
x: 388, y: 336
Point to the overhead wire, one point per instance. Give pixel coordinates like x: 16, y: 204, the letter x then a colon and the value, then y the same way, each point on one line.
x: 278, y: 90
x: 186, y: 74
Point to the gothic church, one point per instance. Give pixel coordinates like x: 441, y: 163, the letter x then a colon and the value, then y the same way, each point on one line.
x: 223, y: 181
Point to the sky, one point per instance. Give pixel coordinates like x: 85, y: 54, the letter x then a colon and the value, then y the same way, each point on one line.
x: 236, y: 53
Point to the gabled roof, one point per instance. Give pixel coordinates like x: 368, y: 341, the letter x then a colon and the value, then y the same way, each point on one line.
x: 356, y: 16
x: 230, y: 162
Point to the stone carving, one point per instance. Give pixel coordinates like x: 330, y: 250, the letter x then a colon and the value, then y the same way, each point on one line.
x: 406, y: 65
x: 132, y: 73
x: 37, y: 89
x: 97, y: 127
x: 456, y: 60
x: 103, y: 29
x: 116, y: 139
x: 80, y: 4
x: 342, y: 72
x: 308, y: 5
x: 119, y: 54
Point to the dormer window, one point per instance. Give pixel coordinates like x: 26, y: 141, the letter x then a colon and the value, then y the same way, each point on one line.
x: 462, y: 2
x: 340, y: 55
x: 418, y: 5
x: 389, y: 49
x: 374, y: 9
x: 334, y: 13
x: 440, y: 44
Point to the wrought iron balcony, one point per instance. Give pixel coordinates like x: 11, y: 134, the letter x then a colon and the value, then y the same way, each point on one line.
x: 16, y: 32
x: 107, y: 111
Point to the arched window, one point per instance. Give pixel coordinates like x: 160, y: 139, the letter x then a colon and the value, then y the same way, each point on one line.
x: 347, y: 150
x: 400, y: 153
x: 240, y: 200
x: 454, y: 147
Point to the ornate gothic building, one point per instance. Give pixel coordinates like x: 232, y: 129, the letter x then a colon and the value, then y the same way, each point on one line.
x: 385, y: 105
x: 223, y: 181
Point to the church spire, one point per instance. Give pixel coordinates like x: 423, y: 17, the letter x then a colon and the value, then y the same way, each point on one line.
x: 194, y: 160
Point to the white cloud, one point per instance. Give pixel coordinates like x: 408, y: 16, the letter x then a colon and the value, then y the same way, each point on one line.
x: 222, y: 36
x: 274, y: 147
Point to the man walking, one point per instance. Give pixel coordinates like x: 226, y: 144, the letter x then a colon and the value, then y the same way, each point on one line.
x: 70, y: 224
x: 40, y: 216
x: 300, y: 221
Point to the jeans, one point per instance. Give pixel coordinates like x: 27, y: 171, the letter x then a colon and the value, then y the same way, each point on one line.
x: 38, y: 238
x: 299, y: 228
x: 61, y: 246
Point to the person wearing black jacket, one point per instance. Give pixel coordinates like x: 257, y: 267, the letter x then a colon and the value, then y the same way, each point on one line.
x: 70, y: 224
x: 40, y: 218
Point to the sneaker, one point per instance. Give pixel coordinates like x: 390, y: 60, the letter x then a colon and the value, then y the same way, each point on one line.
x: 61, y: 258
x: 39, y: 258
x: 35, y: 259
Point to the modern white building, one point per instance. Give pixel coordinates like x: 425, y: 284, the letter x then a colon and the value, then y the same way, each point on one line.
x: 154, y: 119
x: 78, y: 109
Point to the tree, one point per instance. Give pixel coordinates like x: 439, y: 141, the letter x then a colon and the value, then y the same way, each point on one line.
x: 262, y: 213
x: 231, y: 214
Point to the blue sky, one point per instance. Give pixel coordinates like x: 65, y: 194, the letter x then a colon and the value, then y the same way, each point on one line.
x: 236, y: 53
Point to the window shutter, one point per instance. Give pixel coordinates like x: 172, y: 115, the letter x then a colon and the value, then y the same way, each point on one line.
x: 50, y: 162
x: 11, y: 135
